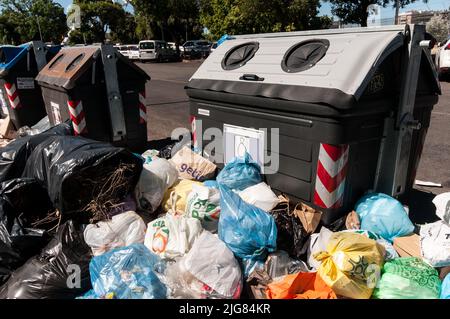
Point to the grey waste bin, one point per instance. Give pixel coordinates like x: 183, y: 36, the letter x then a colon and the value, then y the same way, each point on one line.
x: 100, y: 91
x: 20, y: 96
x: 343, y: 111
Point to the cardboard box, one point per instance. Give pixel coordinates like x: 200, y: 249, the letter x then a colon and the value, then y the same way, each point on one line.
x: 408, y: 246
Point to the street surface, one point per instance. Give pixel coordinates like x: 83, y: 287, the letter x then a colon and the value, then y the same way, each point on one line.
x: 168, y: 108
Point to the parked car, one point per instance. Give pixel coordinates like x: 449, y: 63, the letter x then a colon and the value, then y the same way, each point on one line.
x: 123, y: 49
x: 196, y: 49
x: 443, y: 60
x: 156, y: 50
x: 133, y: 52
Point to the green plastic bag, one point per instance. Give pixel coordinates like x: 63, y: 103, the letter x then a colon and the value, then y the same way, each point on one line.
x: 408, y: 278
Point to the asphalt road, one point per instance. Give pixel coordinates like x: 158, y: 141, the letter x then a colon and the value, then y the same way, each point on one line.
x: 168, y: 108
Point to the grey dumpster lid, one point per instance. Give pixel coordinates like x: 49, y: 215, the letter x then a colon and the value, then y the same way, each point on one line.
x: 347, y: 61
x: 71, y: 63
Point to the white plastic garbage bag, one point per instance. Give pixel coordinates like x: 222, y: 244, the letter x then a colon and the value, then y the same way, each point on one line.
x: 435, y: 243
x: 261, y: 196
x: 209, y: 270
x: 172, y: 235
x: 122, y: 230
x: 203, y: 203
x: 317, y: 243
x: 442, y: 203
x: 156, y: 178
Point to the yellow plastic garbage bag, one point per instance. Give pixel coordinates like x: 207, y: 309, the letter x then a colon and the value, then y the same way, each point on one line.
x: 351, y: 264
x: 176, y: 196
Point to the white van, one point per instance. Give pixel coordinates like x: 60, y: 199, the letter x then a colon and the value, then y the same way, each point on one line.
x: 156, y: 50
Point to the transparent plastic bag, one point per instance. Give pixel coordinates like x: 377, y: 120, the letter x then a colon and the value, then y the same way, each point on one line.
x: 126, y: 273
x: 122, y: 230
x: 208, y: 271
x: 384, y: 216
x: 240, y: 173
x: 248, y: 231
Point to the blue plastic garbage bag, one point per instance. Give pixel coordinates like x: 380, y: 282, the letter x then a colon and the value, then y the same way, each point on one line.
x: 211, y: 184
x: 445, y: 288
x: 248, y: 231
x: 240, y: 173
x: 224, y: 38
x: 126, y: 273
x: 384, y: 216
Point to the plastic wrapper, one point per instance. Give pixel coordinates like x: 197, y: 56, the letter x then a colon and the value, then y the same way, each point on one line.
x: 175, y: 198
x: 408, y: 278
x: 445, y: 289
x: 122, y: 230
x: 128, y: 204
x: 126, y: 273
x: 302, y: 285
x: 248, y: 231
x: 261, y: 196
x: 240, y: 173
x: 351, y: 264
x: 203, y: 203
x: 172, y: 235
x: 38, y: 128
x: 435, y: 243
x: 14, y: 156
x: 60, y: 271
x: 23, y: 203
x: 442, y: 204
x: 193, y: 166
x: 156, y: 178
x: 384, y: 216
x: 390, y: 252
x: 84, y: 175
x: 317, y: 243
x: 208, y: 271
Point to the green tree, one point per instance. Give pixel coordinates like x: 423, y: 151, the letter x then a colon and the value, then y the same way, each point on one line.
x: 356, y: 11
x: 173, y: 20
x: 98, y: 17
x: 255, y: 16
x: 25, y: 20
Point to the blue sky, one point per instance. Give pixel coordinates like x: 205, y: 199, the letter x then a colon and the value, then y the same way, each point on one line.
x: 386, y: 12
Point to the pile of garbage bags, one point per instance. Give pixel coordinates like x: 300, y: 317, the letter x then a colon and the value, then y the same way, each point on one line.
x: 87, y: 220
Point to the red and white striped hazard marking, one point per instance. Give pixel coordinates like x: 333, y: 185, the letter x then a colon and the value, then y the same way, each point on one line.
x: 331, y: 175
x: 13, y: 95
x: 77, y: 117
x: 142, y: 108
x: 194, y: 131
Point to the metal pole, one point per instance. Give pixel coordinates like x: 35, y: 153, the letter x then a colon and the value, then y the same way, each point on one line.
x: 397, y: 9
x: 39, y: 27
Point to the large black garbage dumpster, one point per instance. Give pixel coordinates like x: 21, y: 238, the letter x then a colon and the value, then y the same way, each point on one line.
x: 100, y: 91
x: 20, y: 96
x: 328, y: 114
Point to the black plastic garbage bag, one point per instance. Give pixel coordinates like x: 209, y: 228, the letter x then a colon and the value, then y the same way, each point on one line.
x: 13, y: 156
x: 24, y: 204
x: 82, y: 175
x: 60, y: 271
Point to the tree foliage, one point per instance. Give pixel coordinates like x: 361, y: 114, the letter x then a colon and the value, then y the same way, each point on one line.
x: 20, y: 21
x: 171, y: 20
x: 255, y: 16
x: 98, y: 17
x: 438, y: 26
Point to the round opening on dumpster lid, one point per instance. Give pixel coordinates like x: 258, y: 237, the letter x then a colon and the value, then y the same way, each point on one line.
x: 72, y: 65
x: 239, y: 55
x: 57, y: 60
x: 304, y: 55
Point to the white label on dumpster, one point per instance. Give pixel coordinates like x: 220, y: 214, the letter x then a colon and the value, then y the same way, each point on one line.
x: 56, y: 112
x: 203, y: 112
x: 239, y: 140
x: 25, y: 83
